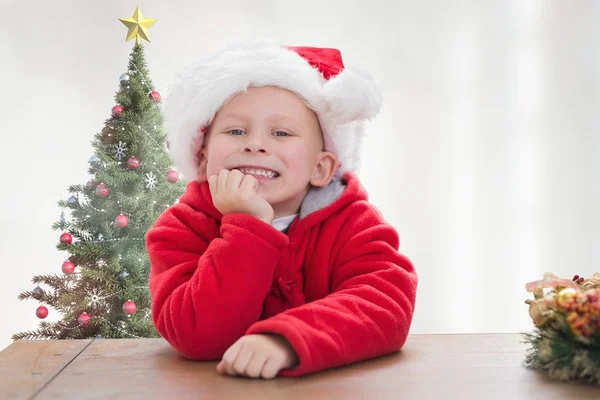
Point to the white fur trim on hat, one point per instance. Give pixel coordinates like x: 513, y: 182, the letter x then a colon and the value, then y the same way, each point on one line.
x: 341, y: 103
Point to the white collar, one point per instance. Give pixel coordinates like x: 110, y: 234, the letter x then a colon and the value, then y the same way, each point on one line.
x: 282, y: 223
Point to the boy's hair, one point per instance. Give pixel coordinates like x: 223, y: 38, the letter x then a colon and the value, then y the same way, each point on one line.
x: 342, y: 98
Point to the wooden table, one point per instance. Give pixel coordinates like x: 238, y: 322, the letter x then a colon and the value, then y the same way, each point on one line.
x: 483, y: 367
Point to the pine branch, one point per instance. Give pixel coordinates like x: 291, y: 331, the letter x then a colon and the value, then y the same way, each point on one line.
x: 562, y: 360
x: 54, y: 281
x: 58, y: 226
x: 47, y: 297
x: 85, y: 250
x: 74, y: 189
x: 98, y: 276
x: 33, y: 335
x: 47, y: 330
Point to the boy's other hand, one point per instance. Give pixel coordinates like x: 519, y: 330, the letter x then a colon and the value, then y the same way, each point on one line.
x: 258, y: 356
x: 233, y: 191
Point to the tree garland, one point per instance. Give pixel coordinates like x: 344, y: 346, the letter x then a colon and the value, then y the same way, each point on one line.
x: 566, y: 340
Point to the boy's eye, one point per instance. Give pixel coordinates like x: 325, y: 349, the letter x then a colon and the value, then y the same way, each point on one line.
x: 281, y: 133
x: 236, y: 132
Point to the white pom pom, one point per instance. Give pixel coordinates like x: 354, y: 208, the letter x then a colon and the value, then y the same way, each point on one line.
x: 352, y: 96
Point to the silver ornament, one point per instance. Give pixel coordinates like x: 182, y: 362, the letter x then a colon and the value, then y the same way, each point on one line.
x: 124, y: 80
x: 123, y: 275
x: 72, y: 200
x: 38, y: 293
x: 93, y: 159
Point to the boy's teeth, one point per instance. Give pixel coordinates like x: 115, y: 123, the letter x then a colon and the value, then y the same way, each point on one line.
x: 268, y: 174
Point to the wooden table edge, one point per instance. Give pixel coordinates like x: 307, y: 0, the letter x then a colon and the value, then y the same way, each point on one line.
x: 33, y: 389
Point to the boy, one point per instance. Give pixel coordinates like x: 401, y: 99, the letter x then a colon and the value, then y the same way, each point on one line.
x: 273, y: 261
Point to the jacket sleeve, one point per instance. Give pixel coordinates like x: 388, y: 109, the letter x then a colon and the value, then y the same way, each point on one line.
x: 369, y: 310
x: 206, y: 293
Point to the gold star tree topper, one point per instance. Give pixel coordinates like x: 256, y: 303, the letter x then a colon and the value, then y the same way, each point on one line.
x: 138, y: 26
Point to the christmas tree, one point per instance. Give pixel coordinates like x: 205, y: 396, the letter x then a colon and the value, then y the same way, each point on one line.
x: 103, y: 289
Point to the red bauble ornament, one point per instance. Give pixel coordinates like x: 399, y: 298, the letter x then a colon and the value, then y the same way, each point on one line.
x: 84, y: 319
x: 41, y: 312
x: 121, y: 221
x: 172, y: 176
x: 68, y: 267
x: 133, y: 162
x: 102, y: 190
x: 117, y: 111
x: 154, y: 95
x: 129, y: 307
x: 66, y: 238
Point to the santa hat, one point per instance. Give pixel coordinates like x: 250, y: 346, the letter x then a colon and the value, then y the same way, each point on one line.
x: 342, y: 98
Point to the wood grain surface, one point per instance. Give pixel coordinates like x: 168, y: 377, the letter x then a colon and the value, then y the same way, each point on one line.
x: 27, y: 366
x: 481, y: 366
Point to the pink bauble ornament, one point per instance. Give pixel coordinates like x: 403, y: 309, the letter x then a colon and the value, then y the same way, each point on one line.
x: 117, y: 111
x: 66, y: 238
x: 133, y: 162
x: 102, y: 190
x: 68, y: 267
x: 84, y: 319
x: 154, y: 95
x: 172, y: 176
x: 129, y: 307
x: 121, y: 221
x: 41, y: 312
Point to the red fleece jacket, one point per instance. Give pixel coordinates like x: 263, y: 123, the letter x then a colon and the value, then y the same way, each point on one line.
x: 335, y: 286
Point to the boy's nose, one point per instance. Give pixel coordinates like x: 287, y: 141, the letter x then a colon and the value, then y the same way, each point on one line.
x: 252, y: 150
x: 255, y: 145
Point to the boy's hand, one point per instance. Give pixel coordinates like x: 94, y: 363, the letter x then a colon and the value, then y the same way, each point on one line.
x: 258, y: 356
x: 232, y: 191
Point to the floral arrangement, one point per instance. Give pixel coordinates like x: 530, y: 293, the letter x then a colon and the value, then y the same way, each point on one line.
x: 566, y: 340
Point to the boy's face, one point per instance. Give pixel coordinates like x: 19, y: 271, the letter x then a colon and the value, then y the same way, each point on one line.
x: 270, y: 133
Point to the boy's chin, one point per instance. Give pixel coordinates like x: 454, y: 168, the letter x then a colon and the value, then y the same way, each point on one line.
x: 278, y: 197
x: 267, y: 194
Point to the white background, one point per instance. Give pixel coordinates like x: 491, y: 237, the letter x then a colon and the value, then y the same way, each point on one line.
x: 484, y: 157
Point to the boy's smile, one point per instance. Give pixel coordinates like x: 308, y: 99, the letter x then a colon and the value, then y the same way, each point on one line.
x: 259, y: 172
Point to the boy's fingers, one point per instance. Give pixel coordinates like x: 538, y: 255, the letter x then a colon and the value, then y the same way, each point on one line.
x: 242, y: 360
x: 249, y: 184
x: 212, y: 184
x: 229, y: 357
x: 234, y: 179
x: 221, y: 367
x: 222, y: 180
x: 255, y: 365
x: 271, y: 368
